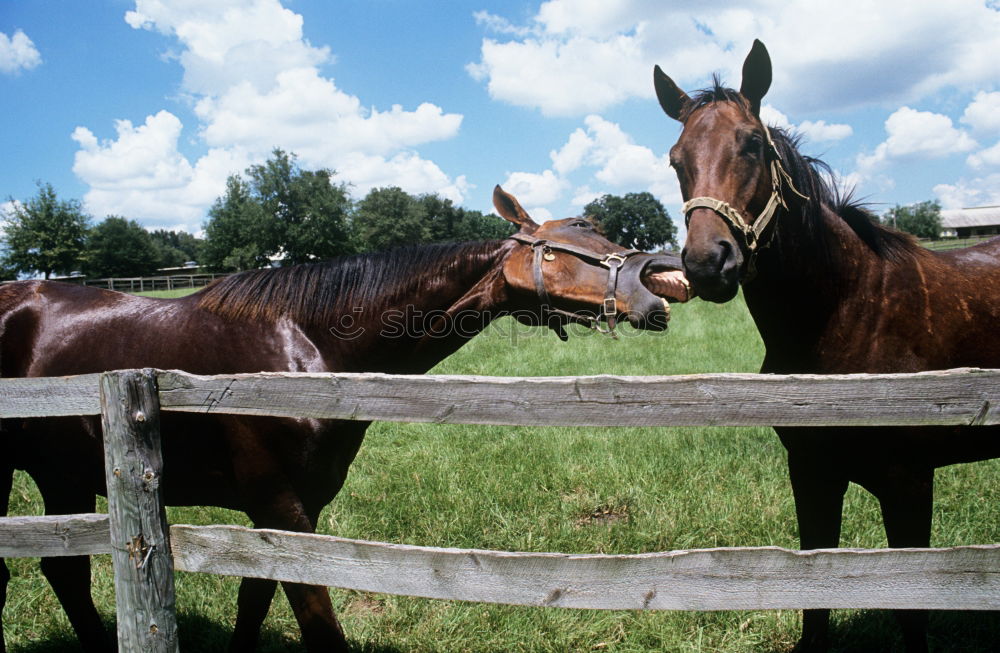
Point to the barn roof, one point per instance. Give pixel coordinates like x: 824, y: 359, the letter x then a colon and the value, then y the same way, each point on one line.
x: 978, y: 216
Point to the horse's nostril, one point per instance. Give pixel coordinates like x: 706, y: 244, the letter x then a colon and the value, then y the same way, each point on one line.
x: 725, y: 256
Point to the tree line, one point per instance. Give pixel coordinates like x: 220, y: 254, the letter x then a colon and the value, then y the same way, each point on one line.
x: 277, y: 213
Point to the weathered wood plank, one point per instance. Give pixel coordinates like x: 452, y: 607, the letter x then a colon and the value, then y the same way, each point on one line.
x: 140, y: 542
x: 50, y: 396
x: 54, y: 535
x: 961, y: 578
x: 941, y: 398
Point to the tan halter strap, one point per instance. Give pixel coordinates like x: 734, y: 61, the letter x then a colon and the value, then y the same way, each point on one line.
x: 752, y: 233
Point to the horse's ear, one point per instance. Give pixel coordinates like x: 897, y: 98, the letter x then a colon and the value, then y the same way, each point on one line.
x: 508, y: 207
x: 756, y: 75
x: 671, y: 97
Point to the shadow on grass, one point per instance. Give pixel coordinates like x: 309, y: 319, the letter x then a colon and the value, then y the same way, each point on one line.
x: 197, y: 635
x: 949, y: 632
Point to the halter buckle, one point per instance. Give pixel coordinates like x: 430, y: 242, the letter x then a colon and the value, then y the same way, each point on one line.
x: 610, y: 307
x: 613, y: 257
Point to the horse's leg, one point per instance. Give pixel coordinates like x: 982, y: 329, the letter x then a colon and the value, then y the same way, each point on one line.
x: 6, y: 484
x: 70, y: 576
x: 907, y: 498
x: 310, y: 603
x: 252, y: 606
x: 819, y: 502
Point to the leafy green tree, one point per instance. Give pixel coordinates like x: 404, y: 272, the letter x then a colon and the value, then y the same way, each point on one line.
x: 237, y: 235
x: 922, y: 219
x: 388, y: 217
x: 277, y: 210
x: 636, y: 221
x: 319, y: 228
x: 118, y: 247
x: 450, y: 223
x: 175, y: 248
x: 7, y: 271
x: 45, y: 234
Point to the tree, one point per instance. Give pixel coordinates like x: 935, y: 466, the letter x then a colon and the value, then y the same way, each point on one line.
x: 388, y: 217
x: 45, y: 234
x: 922, y: 219
x: 636, y: 221
x: 175, y: 248
x: 277, y: 210
x: 450, y: 223
x: 118, y: 247
x: 319, y: 228
x: 236, y: 236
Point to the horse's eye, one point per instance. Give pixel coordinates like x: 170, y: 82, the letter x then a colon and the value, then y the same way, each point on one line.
x: 753, y: 146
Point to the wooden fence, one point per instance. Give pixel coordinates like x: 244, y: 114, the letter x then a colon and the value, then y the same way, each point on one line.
x: 143, y: 284
x: 145, y: 551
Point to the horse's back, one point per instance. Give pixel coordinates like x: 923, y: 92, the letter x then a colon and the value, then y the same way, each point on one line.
x: 981, y: 255
x: 51, y: 328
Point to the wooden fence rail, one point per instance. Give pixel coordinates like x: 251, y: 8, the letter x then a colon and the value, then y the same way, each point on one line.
x: 965, y: 577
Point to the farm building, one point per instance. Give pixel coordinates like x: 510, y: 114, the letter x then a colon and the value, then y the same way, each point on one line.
x: 970, y: 222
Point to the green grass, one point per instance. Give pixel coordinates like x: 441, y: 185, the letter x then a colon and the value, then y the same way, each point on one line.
x: 176, y: 292
x: 538, y: 489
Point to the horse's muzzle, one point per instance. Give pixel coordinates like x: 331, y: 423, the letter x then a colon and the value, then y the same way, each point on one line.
x: 713, y: 268
x: 645, y: 310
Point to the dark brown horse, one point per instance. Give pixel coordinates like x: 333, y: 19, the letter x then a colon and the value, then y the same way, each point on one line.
x: 401, y: 312
x: 831, y: 291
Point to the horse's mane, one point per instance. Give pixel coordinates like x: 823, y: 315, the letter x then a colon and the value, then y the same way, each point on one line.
x: 815, y: 179
x: 317, y: 293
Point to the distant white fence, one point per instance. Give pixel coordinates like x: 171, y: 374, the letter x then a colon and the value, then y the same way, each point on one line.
x: 143, y: 284
x: 135, y: 532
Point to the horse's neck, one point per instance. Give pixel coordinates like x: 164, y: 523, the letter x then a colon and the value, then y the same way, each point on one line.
x: 799, y: 290
x: 412, y: 333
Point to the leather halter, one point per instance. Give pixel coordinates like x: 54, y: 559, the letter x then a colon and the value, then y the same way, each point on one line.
x: 543, y: 249
x: 751, y: 233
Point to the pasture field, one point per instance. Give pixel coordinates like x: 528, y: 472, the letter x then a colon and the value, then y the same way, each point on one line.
x: 176, y: 292
x: 580, y: 490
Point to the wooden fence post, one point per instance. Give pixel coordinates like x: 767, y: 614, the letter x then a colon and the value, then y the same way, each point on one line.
x: 140, y: 545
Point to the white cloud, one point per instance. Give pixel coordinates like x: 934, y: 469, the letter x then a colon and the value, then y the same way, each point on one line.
x: 578, y: 56
x: 142, y: 173
x: 604, y: 153
x: 985, y: 158
x: 815, y: 131
x: 255, y: 84
x: 981, y: 191
x: 535, y: 190
x: 17, y: 53
x: 916, y: 134
x: 309, y: 115
x: 983, y: 113
x: 228, y: 42
x: 820, y: 131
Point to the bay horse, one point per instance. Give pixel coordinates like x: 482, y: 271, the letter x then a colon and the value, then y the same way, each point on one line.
x: 400, y: 312
x: 831, y: 291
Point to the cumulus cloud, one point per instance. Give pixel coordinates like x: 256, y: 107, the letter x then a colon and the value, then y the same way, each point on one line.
x: 535, y: 190
x: 17, y: 53
x: 983, y: 113
x: 917, y: 134
x: 579, y: 56
x: 255, y: 84
x: 980, y: 191
x: 818, y: 131
x: 141, y: 173
x: 990, y: 157
x: 602, y: 152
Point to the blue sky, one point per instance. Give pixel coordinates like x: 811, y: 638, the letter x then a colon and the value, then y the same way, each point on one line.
x: 143, y: 108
